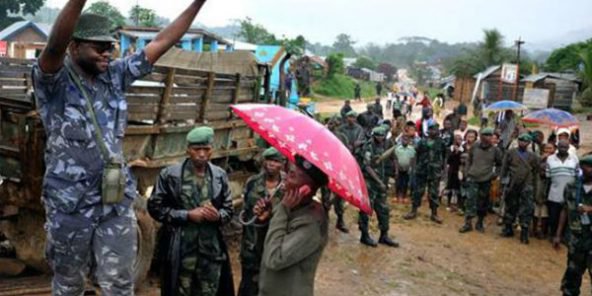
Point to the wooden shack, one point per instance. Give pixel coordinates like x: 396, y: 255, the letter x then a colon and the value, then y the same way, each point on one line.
x: 563, y: 88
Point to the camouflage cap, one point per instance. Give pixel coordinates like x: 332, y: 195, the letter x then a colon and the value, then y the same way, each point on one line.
x: 273, y: 154
x: 525, y: 137
x: 202, y: 135
x: 586, y: 160
x: 488, y: 131
x: 379, y: 131
x: 93, y: 27
x: 351, y: 113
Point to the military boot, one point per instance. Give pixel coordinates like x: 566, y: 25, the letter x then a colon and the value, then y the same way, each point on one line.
x: 434, y: 217
x: 386, y: 240
x: 467, y: 227
x: 411, y: 215
x: 479, y: 225
x: 340, y: 225
x: 367, y: 240
x: 524, y: 235
x: 507, y: 231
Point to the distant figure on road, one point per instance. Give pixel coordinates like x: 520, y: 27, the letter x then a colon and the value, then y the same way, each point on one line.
x: 378, y: 89
x: 358, y: 92
x: 378, y: 108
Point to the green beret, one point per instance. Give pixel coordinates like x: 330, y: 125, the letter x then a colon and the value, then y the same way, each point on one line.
x: 335, y: 118
x: 379, y: 131
x: 488, y: 131
x: 274, y: 154
x: 525, y: 137
x: 351, y: 113
x: 433, y: 124
x: 586, y: 160
x: 202, y: 135
x: 312, y: 171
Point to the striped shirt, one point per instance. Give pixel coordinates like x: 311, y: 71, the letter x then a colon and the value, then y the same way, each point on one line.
x: 561, y: 173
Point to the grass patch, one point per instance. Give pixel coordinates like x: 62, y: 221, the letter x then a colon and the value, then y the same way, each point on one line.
x: 474, y: 121
x: 342, y: 87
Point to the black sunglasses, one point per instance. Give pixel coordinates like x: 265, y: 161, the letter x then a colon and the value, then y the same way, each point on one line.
x: 100, y: 47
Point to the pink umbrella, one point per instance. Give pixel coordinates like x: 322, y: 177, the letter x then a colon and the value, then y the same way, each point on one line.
x: 294, y: 133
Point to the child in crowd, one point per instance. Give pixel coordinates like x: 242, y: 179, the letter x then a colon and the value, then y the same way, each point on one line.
x: 453, y: 162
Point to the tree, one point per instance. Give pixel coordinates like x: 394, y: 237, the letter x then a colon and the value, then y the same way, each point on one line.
x: 586, y: 76
x: 295, y: 46
x: 105, y: 9
x: 255, y: 33
x: 492, y: 47
x: 365, y: 62
x: 335, y: 64
x: 143, y: 16
x: 345, y: 45
x: 388, y: 70
x: 567, y: 58
x: 20, y: 7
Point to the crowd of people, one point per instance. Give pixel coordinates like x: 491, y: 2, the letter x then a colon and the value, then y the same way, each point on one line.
x: 504, y: 169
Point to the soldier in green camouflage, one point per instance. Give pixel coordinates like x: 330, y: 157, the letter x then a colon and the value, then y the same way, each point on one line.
x: 519, y: 172
x: 192, y: 200
x: 376, y: 179
x: 431, y: 156
x: 329, y: 199
x: 578, y: 197
x: 266, y: 185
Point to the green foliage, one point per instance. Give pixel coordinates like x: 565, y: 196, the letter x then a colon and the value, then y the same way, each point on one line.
x: 492, y: 47
x: 365, y: 62
x: 421, y: 73
x: 295, y: 46
x: 344, y: 44
x: 17, y: 7
x: 567, y: 58
x: 105, y: 9
x: 336, y: 65
x: 341, y: 86
x: 143, y: 16
x: 255, y: 33
x: 586, y: 76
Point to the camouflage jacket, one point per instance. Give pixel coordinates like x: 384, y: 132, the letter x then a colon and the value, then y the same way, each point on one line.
x: 254, y: 236
x: 73, y: 160
x: 430, y: 156
x: 571, y: 200
x: 369, y: 153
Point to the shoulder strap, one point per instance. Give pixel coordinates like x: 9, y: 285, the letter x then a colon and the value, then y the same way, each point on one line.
x: 98, y: 133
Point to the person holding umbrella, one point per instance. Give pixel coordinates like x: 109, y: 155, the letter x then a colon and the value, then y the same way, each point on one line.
x: 376, y: 177
x: 297, y: 235
x: 269, y: 184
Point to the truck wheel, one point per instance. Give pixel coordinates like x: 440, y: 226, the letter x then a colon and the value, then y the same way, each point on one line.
x: 146, y: 242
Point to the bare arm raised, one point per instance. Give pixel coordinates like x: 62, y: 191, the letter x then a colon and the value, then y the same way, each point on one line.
x: 173, y: 32
x: 52, y: 57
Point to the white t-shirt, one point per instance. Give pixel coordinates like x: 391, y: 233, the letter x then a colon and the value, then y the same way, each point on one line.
x: 561, y: 173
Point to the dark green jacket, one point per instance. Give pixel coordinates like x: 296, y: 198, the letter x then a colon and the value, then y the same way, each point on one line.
x: 519, y: 170
x: 166, y: 207
x: 573, y: 216
x: 293, y: 249
x: 430, y: 156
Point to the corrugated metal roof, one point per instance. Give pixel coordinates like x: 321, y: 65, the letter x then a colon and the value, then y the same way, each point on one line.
x: 152, y: 35
x: 490, y: 70
x: 21, y: 25
x: 543, y: 75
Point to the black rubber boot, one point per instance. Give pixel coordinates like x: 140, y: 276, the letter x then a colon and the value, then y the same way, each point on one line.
x: 411, y: 215
x: 434, y: 217
x: 479, y: 225
x: 367, y: 240
x: 340, y: 225
x: 467, y: 227
x: 524, y: 236
x: 507, y: 231
x: 386, y: 240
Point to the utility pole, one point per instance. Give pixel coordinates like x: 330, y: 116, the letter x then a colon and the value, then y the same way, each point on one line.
x: 518, y: 43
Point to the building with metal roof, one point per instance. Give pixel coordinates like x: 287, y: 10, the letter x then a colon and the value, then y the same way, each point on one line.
x: 23, y: 39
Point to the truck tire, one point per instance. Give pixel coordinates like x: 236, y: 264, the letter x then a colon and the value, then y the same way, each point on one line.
x: 146, y: 243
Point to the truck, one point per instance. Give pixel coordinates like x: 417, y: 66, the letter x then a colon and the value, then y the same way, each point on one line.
x: 184, y: 90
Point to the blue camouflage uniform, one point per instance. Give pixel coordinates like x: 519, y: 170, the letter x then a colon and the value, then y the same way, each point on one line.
x: 79, y: 227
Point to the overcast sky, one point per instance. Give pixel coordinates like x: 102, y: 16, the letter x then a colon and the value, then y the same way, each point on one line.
x: 383, y: 21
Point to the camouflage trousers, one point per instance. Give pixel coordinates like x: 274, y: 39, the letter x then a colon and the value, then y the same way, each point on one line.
x: 380, y: 206
x: 249, y: 285
x: 329, y: 199
x: 432, y: 184
x: 477, y: 198
x: 199, y: 276
x: 519, y: 201
x: 579, y: 259
x: 75, y: 243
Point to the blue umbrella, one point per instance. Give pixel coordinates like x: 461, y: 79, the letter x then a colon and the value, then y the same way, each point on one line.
x: 553, y: 117
x: 504, y: 106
